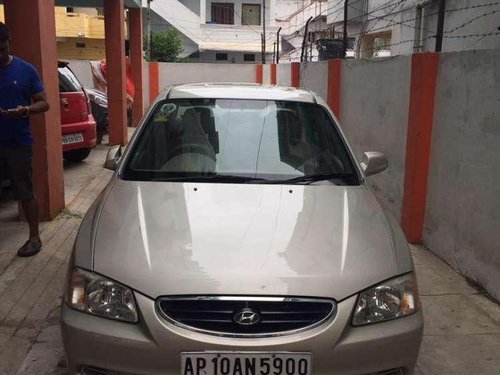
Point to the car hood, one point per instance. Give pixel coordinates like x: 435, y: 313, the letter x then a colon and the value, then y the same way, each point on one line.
x: 163, y: 238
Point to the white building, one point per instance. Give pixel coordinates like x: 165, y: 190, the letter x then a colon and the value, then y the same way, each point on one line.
x: 393, y: 27
x: 292, y: 25
x: 225, y: 31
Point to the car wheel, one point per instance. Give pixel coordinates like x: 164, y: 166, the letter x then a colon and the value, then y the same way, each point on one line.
x: 76, y: 155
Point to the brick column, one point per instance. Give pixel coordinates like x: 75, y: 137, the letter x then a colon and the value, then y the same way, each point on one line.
x: 136, y: 62
x: 114, y: 19
x: 418, y: 143
x: 36, y: 44
x: 334, y: 76
x: 295, y: 79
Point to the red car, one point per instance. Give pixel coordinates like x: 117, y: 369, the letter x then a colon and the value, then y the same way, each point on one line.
x: 78, y: 124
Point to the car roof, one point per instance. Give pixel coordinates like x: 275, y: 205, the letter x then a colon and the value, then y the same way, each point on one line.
x: 238, y: 91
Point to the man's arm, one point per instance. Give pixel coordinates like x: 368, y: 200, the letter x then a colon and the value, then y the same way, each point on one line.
x: 39, y: 105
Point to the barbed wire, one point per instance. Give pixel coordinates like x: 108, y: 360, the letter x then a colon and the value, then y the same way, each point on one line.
x: 405, y: 22
x: 382, y: 7
x: 483, y: 35
x: 471, y: 21
x: 362, y: 33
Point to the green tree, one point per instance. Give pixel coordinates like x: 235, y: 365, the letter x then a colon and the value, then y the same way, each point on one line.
x: 378, y: 45
x: 166, y: 46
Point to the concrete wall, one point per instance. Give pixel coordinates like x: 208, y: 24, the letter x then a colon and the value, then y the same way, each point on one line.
x: 374, y: 114
x: 80, y: 49
x: 285, y: 8
x: 314, y: 76
x: 174, y: 73
x: 462, y: 220
x: 266, y: 74
x: 193, y: 5
x: 283, y: 74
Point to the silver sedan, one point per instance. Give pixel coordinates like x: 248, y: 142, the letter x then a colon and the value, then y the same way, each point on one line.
x: 238, y: 236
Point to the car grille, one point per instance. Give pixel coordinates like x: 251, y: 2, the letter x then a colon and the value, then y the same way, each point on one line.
x: 90, y: 370
x: 246, y: 316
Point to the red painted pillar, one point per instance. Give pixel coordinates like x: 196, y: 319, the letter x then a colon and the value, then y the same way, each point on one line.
x: 273, y: 74
x: 259, y: 73
x: 295, y: 74
x: 334, y: 77
x: 36, y: 44
x: 136, y: 62
x: 114, y: 19
x: 418, y: 143
x: 154, y: 81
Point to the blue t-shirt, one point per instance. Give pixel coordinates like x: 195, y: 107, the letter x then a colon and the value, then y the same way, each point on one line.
x: 19, y: 81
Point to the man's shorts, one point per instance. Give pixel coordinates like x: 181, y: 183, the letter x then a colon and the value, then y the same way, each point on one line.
x: 17, y: 163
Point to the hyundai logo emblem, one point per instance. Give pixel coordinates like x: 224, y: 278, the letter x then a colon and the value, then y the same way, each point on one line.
x: 246, y: 317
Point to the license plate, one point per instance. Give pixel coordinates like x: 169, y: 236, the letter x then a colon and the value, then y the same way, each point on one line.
x: 72, y: 138
x: 245, y: 363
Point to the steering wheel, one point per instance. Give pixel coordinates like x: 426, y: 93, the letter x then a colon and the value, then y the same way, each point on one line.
x: 204, y: 155
x: 323, y: 158
x: 192, y: 148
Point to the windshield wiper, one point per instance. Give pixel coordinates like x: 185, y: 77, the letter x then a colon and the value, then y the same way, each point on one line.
x: 317, y: 177
x: 211, y: 178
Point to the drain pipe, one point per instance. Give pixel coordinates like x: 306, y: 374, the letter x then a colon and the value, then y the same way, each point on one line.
x: 419, y: 25
x: 278, y: 46
x: 440, y: 26
x: 148, y: 32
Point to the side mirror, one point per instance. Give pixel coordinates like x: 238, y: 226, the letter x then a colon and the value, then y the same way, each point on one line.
x: 112, y: 157
x: 373, y: 162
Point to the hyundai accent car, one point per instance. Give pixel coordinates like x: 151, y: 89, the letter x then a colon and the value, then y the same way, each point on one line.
x: 238, y: 236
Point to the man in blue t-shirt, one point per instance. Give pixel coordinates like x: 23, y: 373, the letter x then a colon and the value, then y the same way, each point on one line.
x: 21, y: 95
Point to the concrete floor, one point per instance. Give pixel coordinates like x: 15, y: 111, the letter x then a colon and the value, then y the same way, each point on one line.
x: 462, y: 326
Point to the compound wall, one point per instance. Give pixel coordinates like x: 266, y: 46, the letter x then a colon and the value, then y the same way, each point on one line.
x: 462, y: 222
x: 374, y: 105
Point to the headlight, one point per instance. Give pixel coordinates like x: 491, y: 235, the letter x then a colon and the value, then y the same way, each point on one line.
x: 94, y: 294
x: 391, y: 299
x: 101, y: 101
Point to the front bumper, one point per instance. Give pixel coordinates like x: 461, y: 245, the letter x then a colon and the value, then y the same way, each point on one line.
x: 153, y: 345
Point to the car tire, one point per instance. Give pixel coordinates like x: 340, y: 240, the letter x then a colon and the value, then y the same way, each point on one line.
x: 76, y: 155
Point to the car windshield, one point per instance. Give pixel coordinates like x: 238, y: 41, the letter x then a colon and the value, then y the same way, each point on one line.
x: 234, y: 140
x: 67, y: 81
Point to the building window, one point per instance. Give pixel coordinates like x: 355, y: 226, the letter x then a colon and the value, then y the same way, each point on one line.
x: 221, y: 56
x: 248, y: 57
x: 80, y: 45
x: 69, y: 9
x: 223, y: 13
x: 250, y: 14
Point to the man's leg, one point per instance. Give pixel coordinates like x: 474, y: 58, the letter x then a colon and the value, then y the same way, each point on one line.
x: 20, y: 166
x: 30, y: 208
